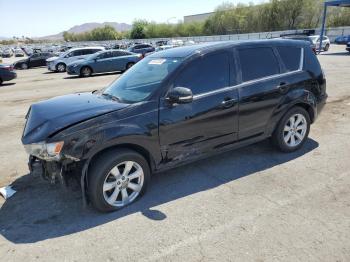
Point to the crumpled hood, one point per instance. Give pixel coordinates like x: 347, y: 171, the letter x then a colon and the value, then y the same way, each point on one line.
x: 47, y: 117
x: 52, y: 58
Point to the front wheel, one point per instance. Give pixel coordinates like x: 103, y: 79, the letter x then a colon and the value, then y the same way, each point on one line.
x: 61, y: 68
x: 24, y: 66
x: 85, y: 71
x: 326, y: 48
x: 293, y: 130
x: 117, y: 179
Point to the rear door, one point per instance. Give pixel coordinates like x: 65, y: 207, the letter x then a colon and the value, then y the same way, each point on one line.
x: 210, y: 121
x: 265, y: 82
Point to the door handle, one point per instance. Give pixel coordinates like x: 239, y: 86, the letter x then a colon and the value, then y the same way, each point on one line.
x: 228, y: 102
x: 283, y: 87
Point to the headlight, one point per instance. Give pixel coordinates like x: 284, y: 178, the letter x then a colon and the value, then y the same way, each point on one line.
x: 42, y: 150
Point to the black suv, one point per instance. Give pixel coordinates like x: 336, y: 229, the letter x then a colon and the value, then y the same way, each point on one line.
x: 174, y: 107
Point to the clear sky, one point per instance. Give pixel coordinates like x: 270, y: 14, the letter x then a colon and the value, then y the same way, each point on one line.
x: 47, y: 17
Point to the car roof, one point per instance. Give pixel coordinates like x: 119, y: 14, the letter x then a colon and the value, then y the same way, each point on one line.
x: 186, y: 51
x: 86, y: 47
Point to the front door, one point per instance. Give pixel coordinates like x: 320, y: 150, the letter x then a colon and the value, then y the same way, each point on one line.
x: 210, y: 121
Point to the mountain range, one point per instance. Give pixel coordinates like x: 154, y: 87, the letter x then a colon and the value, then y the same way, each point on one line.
x: 120, y: 27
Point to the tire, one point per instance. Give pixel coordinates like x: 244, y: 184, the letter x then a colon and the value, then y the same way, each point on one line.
x: 61, y: 67
x: 129, y: 65
x: 106, y: 185
x: 1, y: 81
x: 284, y: 134
x: 24, y: 66
x: 326, y: 48
x: 85, y: 71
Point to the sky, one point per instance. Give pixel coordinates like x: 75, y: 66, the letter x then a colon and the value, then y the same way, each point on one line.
x: 37, y: 18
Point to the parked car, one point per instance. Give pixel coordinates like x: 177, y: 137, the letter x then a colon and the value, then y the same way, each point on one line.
x: 59, y: 63
x: 342, y: 40
x: 301, y: 37
x: 19, y: 53
x: 141, y: 49
x: 7, y: 53
x: 6, y: 73
x: 35, y: 60
x: 174, y: 107
x: 348, y: 46
x: 103, y: 61
x: 326, y: 43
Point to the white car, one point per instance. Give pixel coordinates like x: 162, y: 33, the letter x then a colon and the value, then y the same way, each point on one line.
x: 59, y: 63
x: 326, y: 43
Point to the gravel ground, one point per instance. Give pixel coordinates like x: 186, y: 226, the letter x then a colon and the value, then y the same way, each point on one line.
x: 252, y: 204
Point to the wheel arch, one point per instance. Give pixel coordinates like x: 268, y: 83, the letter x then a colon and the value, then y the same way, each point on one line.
x: 137, y: 148
x: 302, y: 98
x: 92, y: 70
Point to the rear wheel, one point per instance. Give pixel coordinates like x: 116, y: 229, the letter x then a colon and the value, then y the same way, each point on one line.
x: 293, y: 130
x: 24, y: 66
x: 129, y: 65
x: 61, y: 68
x: 85, y: 71
x: 0, y: 81
x: 117, y: 179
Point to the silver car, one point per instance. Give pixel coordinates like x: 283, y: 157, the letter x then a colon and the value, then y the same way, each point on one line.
x: 59, y: 63
x: 326, y: 43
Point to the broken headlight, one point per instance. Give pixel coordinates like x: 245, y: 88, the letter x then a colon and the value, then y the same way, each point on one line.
x: 45, y: 151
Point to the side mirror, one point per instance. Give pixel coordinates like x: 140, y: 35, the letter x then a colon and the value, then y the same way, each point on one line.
x: 180, y: 95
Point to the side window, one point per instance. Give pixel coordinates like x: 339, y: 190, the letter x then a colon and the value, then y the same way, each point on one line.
x: 206, y: 74
x: 257, y: 63
x: 290, y: 57
x: 75, y: 53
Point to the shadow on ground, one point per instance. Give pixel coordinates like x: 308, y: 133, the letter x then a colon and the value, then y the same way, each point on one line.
x: 39, y: 211
x: 345, y: 53
x: 7, y: 84
x: 94, y: 75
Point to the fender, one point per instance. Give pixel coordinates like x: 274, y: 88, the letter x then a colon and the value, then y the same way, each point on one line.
x: 302, y: 97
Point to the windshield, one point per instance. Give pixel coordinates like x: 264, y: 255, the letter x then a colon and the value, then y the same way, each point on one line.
x: 142, y: 80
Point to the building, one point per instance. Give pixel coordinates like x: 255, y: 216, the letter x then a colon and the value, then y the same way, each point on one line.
x: 197, y: 18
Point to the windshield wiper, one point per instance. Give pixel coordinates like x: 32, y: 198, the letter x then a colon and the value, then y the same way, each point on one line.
x: 114, y: 98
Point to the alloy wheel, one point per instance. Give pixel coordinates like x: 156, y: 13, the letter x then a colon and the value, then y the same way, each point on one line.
x: 61, y: 68
x: 295, y: 130
x: 123, y: 183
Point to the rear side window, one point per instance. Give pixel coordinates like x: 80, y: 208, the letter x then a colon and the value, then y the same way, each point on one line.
x: 206, y: 74
x: 258, y: 63
x: 290, y: 57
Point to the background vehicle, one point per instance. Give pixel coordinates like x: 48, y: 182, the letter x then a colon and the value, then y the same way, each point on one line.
x: 326, y: 43
x: 19, y: 53
x: 103, y: 61
x: 342, y: 40
x: 301, y: 37
x: 35, y: 60
x: 160, y: 114
x: 141, y: 49
x: 6, y: 73
x: 59, y: 64
x: 348, y: 46
x: 7, y: 52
